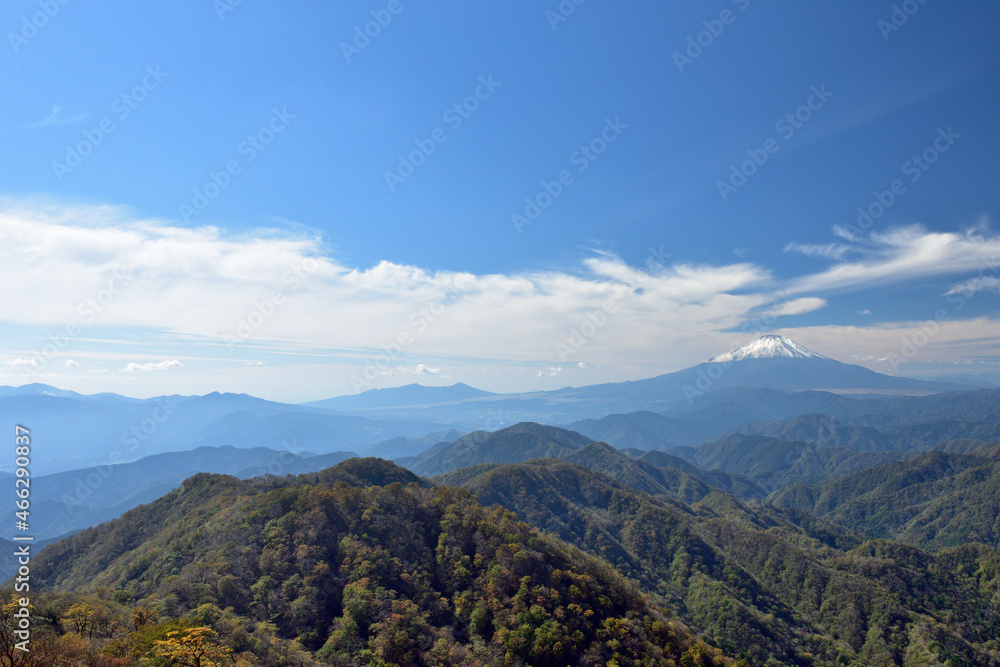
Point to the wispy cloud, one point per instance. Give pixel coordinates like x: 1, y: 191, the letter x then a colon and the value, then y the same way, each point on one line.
x: 799, y: 306
x: 835, y: 251
x: 978, y: 284
x: 902, y: 254
x: 151, y: 366
x: 56, y: 118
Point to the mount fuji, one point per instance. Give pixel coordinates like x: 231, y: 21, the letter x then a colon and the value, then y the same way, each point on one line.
x: 772, y: 362
x: 768, y: 347
x: 777, y: 362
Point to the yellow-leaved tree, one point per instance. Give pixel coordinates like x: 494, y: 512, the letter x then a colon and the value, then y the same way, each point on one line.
x: 193, y: 647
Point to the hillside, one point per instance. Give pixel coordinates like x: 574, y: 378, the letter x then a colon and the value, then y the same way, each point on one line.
x: 361, y: 574
x: 773, y: 463
x: 773, y: 587
x: 934, y: 500
x: 508, y: 445
x: 659, y: 474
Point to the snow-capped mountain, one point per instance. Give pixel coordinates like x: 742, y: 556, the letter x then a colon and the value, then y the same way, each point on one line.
x: 770, y: 362
x: 768, y: 347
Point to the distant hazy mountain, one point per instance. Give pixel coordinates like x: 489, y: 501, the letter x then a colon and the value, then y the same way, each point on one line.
x: 981, y: 381
x: 825, y: 419
x: 397, y: 448
x: 70, y: 501
x: 642, y: 430
x: 408, y: 395
x: 770, y: 362
x: 72, y: 431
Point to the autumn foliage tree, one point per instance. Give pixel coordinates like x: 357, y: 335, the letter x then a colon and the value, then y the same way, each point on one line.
x: 193, y: 647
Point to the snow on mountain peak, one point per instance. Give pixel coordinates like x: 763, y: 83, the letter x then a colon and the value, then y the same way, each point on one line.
x: 768, y: 347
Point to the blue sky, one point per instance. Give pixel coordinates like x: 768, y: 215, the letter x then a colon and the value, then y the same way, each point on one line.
x: 302, y: 131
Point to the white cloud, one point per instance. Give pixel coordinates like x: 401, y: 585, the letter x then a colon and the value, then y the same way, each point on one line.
x: 193, y: 287
x: 844, y: 233
x: 980, y: 284
x: 864, y: 312
x: 798, y: 306
x: 22, y: 363
x: 829, y: 251
x: 71, y: 364
x: 905, y: 253
x: 160, y: 366
x: 197, y: 284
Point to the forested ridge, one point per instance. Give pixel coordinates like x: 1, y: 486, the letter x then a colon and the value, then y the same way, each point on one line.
x: 345, y: 567
x: 768, y: 585
x: 599, y: 559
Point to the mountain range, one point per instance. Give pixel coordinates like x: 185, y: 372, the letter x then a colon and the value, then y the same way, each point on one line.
x: 788, y: 510
x: 81, y: 431
x: 368, y: 560
x: 770, y: 362
x: 73, y: 431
